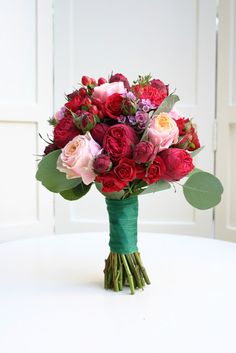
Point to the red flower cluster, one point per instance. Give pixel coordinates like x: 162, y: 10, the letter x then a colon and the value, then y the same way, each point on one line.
x: 118, y: 115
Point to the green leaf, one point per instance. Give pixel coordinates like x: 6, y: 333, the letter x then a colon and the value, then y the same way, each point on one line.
x: 203, y: 190
x: 195, y: 152
x: 110, y: 195
x: 76, y: 193
x: 158, y: 186
x: 51, y: 177
x: 167, y: 104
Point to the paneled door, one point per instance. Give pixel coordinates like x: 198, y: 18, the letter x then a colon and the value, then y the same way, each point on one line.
x: 175, y: 41
x: 25, y: 104
x: 226, y: 120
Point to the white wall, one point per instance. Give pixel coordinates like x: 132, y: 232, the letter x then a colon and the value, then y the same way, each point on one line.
x: 175, y: 41
x: 25, y: 105
x: 226, y: 117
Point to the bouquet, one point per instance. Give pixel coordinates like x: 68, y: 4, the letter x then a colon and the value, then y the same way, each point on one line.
x: 127, y: 140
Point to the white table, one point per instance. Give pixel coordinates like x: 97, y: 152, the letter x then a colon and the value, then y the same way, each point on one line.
x: 52, y: 298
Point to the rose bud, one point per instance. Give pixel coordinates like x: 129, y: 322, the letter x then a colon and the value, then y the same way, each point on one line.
x: 97, y: 102
x: 119, y: 77
x: 128, y: 107
x: 102, y: 164
x: 101, y: 115
x: 82, y: 92
x: 93, y: 82
x: 179, y: 163
x: 72, y: 95
x: 49, y: 148
x: 98, y: 132
x: 87, y: 122
x: 87, y: 101
x: 86, y: 80
x: 144, y: 152
x: 101, y: 80
x: 93, y: 110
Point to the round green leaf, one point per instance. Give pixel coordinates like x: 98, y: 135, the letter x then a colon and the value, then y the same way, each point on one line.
x: 51, y: 177
x: 76, y: 193
x: 203, y: 190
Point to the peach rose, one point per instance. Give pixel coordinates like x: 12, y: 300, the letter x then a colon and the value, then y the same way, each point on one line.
x: 107, y: 89
x: 163, y: 131
x: 76, y: 159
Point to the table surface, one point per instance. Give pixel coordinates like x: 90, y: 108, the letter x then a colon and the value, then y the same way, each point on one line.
x: 52, y: 297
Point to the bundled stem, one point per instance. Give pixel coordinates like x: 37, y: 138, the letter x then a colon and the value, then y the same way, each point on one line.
x: 124, y: 269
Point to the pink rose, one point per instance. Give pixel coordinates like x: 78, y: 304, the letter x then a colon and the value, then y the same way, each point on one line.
x: 107, y: 89
x: 76, y: 159
x: 163, y: 131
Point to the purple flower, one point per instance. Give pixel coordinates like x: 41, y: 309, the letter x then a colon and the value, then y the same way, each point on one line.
x: 129, y: 95
x: 121, y: 119
x: 131, y: 119
x: 60, y: 114
x: 145, y: 105
x: 141, y: 118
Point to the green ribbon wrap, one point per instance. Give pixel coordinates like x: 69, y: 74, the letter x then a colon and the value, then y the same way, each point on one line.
x: 123, y: 216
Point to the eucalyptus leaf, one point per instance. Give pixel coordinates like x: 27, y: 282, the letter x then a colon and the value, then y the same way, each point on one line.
x: 110, y: 195
x: 51, y: 177
x: 76, y: 193
x: 203, y: 190
x: 167, y: 104
x: 158, y: 186
x: 195, y: 152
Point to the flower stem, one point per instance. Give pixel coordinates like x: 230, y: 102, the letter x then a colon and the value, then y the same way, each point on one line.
x: 124, y: 269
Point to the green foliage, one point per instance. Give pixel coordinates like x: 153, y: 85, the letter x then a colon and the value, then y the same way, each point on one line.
x: 110, y: 195
x: 203, y: 190
x: 76, y: 193
x: 167, y: 104
x: 158, y: 186
x: 51, y: 177
x: 195, y: 152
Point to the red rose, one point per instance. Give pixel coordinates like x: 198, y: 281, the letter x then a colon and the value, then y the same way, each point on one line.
x: 125, y: 170
x: 120, y: 77
x: 155, y: 171
x: 162, y: 88
x: 74, y: 104
x: 144, y: 152
x: 98, y: 132
x: 113, y: 106
x: 65, y: 131
x: 119, y: 140
x: 140, y: 171
x: 110, y: 183
x: 179, y: 163
x: 102, y: 164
